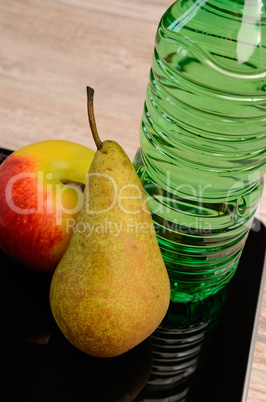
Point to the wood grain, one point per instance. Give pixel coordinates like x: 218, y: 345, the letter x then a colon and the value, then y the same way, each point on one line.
x: 50, y: 50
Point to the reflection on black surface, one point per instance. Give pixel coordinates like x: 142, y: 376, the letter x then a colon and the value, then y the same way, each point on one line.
x: 178, y: 345
x: 222, y: 376
x: 70, y: 375
x: 39, y: 364
x: 58, y: 372
x: 201, y: 350
x: 24, y: 298
x: 199, y: 353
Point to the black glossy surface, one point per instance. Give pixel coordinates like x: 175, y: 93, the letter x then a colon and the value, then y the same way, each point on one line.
x: 211, y: 349
x: 200, y: 352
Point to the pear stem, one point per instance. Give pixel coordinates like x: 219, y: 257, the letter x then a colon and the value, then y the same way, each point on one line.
x: 92, y: 122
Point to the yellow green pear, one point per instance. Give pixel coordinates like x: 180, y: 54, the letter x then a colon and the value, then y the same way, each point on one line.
x: 111, y: 289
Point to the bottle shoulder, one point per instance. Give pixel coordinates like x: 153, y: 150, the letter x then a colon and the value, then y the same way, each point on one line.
x: 228, y: 41
x: 230, y: 30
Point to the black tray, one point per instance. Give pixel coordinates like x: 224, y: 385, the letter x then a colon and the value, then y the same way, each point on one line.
x: 202, y: 352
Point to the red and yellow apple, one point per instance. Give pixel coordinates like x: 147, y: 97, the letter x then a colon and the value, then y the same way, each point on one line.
x: 39, y: 201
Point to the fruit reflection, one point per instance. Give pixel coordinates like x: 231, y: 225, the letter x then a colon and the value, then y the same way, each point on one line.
x: 72, y: 375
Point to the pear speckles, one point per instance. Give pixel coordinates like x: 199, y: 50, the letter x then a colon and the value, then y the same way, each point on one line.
x: 118, y: 268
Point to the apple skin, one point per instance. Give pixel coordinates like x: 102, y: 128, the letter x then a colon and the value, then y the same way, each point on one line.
x: 37, y: 210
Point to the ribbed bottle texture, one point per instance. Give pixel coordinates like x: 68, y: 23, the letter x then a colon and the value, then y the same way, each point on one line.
x: 203, y: 138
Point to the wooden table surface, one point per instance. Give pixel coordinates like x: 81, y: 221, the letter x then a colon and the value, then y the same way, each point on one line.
x: 51, y: 49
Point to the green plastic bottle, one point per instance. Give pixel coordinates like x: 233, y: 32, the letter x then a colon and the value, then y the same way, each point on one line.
x: 203, y: 138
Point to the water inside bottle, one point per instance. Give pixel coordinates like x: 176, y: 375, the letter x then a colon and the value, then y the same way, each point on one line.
x: 203, y: 141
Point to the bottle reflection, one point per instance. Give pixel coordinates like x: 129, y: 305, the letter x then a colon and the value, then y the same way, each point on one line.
x: 178, y: 346
x: 198, y: 353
